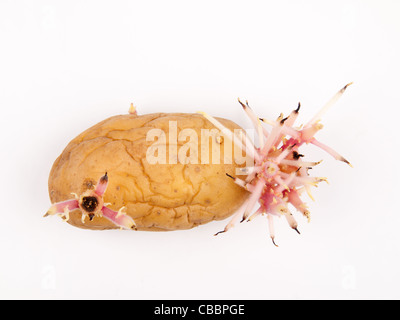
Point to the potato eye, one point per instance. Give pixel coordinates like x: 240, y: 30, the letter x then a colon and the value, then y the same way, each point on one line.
x: 90, y: 203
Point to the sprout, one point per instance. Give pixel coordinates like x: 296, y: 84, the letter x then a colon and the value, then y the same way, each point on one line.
x: 92, y: 205
x: 279, y: 175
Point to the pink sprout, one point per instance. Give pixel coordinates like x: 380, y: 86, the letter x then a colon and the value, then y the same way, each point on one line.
x: 279, y: 175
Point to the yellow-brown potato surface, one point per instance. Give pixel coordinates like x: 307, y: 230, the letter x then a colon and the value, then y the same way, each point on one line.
x: 156, y: 196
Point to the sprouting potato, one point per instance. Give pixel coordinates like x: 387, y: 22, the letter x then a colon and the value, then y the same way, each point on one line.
x: 176, y: 171
x: 103, y: 179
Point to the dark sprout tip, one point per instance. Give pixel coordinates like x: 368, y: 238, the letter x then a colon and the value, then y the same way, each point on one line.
x: 219, y: 232
x: 242, y: 104
x: 283, y: 120
x: 297, y: 155
x: 104, y: 178
x: 298, y: 108
x: 230, y: 176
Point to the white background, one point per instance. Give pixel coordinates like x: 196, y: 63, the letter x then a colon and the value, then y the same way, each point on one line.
x: 66, y: 65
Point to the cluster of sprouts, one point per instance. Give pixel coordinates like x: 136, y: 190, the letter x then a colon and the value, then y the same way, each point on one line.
x: 279, y: 174
x: 91, y: 204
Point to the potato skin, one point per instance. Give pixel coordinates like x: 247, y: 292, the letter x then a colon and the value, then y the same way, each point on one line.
x: 158, y: 197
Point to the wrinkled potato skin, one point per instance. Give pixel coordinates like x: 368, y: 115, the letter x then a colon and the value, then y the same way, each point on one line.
x: 158, y: 197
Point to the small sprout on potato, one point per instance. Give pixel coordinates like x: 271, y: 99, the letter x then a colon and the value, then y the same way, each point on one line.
x: 92, y: 205
x: 279, y: 175
x: 132, y: 110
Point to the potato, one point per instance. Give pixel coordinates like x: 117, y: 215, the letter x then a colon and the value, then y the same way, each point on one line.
x: 157, y: 196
